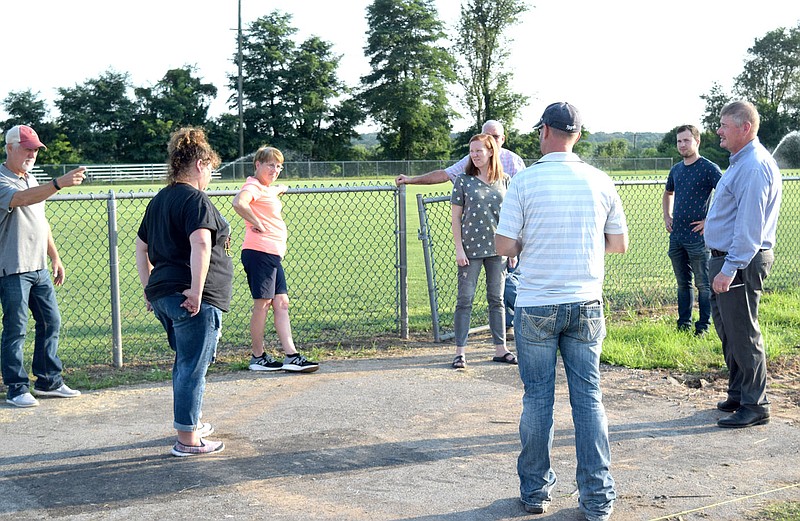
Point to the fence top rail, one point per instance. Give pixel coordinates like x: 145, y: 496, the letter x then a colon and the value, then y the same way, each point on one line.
x: 112, y: 194
x: 435, y: 199
x: 643, y: 182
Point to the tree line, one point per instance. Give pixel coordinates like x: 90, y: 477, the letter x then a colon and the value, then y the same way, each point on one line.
x: 770, y: 79
x: 292, y: 96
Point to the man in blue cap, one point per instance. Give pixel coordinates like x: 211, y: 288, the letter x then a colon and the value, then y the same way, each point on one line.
x: 561, y: 216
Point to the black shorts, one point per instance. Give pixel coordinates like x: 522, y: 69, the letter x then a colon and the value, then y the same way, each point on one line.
x: 264, y: 274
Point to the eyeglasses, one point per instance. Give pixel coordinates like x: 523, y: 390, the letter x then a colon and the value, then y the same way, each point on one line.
x: 274, y: 166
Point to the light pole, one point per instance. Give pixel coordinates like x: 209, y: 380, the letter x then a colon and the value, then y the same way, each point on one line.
x: 241, y: 117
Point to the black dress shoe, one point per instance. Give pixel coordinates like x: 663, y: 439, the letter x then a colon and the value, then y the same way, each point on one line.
x: 744, y: 417
x: 728, y: 405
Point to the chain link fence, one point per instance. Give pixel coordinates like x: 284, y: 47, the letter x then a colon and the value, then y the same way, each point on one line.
x: 344, y: 268
x: 641, y: 278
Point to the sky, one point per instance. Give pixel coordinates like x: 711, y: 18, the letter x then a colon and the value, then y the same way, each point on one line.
x: 627, y: 65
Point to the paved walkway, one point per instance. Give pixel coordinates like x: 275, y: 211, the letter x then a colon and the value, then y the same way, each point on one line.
x: 400, y: 438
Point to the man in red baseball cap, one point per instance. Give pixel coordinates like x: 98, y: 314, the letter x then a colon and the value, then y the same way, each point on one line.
x: 25, y: 282
x: 25, y: 136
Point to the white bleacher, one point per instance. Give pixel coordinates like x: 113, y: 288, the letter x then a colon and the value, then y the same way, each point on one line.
x: 121, y: 173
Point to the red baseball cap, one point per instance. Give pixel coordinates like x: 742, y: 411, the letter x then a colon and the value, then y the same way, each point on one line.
x: 25, y: 136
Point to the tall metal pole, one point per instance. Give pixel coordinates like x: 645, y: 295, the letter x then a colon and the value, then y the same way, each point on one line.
x: 241, y: 118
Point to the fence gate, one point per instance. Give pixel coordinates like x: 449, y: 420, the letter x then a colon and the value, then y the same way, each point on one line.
x: 438, y: 249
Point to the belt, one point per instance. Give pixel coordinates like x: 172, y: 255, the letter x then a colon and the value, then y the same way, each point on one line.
x: 717, y: 253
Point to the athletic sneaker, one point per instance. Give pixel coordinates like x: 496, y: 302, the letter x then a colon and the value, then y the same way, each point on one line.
x: 205, y: 447
x: 204, y: 429
x: 61, y: 392
x: 297, y: 363
x: 23, y: 400
x: 264, y: 363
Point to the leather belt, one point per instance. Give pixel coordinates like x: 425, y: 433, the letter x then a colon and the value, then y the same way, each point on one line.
x: 717, y: 253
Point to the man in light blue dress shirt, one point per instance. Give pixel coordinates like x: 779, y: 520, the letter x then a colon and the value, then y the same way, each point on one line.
x: 740, y: 231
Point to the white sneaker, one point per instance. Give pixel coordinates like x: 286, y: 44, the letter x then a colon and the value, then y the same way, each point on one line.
x: 61, y: 392
x: 23, y: 400
x: 204, y: 429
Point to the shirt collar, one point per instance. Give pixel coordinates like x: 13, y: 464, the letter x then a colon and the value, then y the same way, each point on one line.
x: 745, y: 149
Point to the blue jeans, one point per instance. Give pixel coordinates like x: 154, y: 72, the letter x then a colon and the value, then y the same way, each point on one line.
x: 468, y: 284
x: 510, y: 295
x: 194, y: 340
x: 19, y: 292
x: 577, y: 330
x: 691, y: 258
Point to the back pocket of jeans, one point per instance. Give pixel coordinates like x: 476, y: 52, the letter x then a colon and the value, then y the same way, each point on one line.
x: 538, y: 323
x: 592, y: 324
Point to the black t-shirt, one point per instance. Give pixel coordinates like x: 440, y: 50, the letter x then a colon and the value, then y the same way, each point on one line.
x: 171, y: 217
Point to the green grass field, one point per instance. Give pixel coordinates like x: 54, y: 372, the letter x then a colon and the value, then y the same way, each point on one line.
x: 358, y: 251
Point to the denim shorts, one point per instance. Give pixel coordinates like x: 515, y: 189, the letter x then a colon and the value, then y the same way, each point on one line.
x: 264, y: 274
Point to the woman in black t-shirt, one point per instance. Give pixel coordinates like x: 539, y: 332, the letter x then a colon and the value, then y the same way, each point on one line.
x: 184, y: 263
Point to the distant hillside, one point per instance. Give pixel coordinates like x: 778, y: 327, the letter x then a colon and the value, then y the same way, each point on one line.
x: 640, y: 139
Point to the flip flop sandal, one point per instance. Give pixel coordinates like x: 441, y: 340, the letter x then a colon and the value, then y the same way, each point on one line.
x: 459, y: 362
x: 507, y: 358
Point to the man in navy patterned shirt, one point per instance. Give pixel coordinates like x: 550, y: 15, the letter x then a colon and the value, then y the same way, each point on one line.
x: 685, y: 203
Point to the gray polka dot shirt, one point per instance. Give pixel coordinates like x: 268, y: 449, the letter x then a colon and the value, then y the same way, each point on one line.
x: 480, y: 214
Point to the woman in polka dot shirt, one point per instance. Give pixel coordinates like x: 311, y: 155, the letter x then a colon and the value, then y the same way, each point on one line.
x: 475, y: 202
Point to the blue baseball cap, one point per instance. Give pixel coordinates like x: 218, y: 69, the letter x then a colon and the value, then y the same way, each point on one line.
x: 561, y: 116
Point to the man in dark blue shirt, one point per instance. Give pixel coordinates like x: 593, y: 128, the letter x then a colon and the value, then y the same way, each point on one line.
x: 685, y: 203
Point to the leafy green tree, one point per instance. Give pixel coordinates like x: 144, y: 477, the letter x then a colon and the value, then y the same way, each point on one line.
x: 24, y: 108
x: 223, y: 134
x: 584, y: 148
x: 96, y: 118
x: 615, y: 148
x: 405, y: 92
x: 290, y: 92
x: 336, y: 142
x: 483, y: 50
x: 312, y: 85
x: 178, y: 99
x: 526, y: 146
x: 27, y: 108
x: 770, y: 80
x: 59, y: 150
x: 267, y: 49
x: 715, y: 100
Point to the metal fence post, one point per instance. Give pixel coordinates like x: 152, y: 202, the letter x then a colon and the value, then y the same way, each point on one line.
x: 113, y: 266
x: 426, y: 253
x: 402, y: 250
